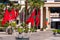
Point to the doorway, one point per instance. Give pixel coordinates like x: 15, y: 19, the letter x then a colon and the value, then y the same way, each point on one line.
x: 55, y: 14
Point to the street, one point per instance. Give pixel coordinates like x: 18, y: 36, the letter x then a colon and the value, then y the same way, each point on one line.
x: 41, y: 35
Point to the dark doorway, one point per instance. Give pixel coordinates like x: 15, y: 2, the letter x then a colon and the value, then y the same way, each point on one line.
x: 53, y: 24
x: 57, y: 25
x: 54, y: 9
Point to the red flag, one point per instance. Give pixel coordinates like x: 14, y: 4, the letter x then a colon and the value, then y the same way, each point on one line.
x: 13, y: 14
x: 9, y: 16
x: 32, y: 21
x: 33, y: 13
x: 37, y: 21
x: 6, y: 17
x: 38, y: 18
x: 31, y: 18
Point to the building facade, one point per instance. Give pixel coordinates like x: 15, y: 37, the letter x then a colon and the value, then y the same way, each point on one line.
x: 50, y: 13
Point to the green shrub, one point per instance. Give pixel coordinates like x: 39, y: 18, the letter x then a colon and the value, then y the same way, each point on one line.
x: 57, y: 30
x: 23, y: 24
x: 54, y: 30
x: 13, y: 24
x: 32, y: 29
x: 20, y: 30
x: 6, y: 25
x: 26, y: 30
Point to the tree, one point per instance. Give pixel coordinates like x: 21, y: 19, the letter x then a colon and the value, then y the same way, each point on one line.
x: 36, y: 3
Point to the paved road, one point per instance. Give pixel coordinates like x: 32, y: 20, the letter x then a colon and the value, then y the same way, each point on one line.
x: 41, y: 35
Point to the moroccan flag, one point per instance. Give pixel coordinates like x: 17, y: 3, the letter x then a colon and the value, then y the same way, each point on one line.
x: 31, y: 18
x: 38, y: 18
x: 33, y: 13
x: 32, y: 21
x: 6, y: 17
x: 13, y: 14
x: 37, y: 21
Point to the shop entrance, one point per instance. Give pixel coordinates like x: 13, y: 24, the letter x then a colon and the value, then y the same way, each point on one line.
x: 55, y: 17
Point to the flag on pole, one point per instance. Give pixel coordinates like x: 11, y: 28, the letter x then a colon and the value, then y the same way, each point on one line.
x: 31, y: 18
x: 6, y: 17
x: 38, y: 18
x: 12, y: 14
x: 16, y: 12
x: 33, y: 13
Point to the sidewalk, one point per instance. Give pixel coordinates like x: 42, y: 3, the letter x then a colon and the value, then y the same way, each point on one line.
x: 41, y: 35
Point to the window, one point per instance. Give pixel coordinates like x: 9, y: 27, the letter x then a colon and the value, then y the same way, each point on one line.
x: 55, y: 9
x: 50, y: 0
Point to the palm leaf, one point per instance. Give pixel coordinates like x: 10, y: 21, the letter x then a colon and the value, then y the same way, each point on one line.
x: 36, y: 3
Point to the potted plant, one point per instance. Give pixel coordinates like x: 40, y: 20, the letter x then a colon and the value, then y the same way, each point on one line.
x: 32, y: 29
x: 58, y: 31
x: 54, y: 32
x: 13, y: 24
x: 20, y: 30
x: 26, y: 30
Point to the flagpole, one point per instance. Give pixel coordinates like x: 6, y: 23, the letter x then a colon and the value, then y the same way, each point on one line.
x: 35, y: 17
x: 26, y: 2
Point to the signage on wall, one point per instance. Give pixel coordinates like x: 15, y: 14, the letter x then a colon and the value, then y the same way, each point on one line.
x: 57, y: 19
x: 50, y: 0
x: 54, y: 14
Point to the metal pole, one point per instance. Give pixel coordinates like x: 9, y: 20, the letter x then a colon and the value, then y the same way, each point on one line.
x: 26, y: 2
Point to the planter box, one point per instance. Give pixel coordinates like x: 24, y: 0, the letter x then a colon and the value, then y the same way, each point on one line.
x: 22, y: 38
x: 57, y: 31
